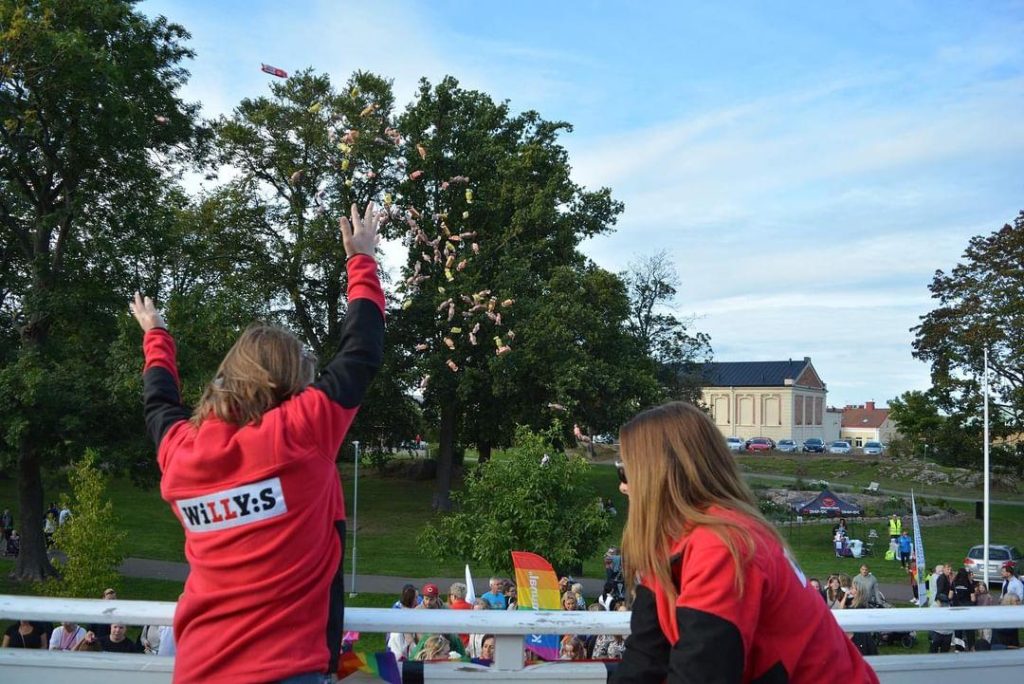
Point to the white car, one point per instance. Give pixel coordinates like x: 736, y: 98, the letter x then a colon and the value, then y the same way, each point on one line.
x: 874, y: 448
x: 839, y: 447
x: 735, y: 444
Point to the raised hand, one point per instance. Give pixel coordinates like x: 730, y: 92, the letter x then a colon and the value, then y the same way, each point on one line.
x: 146, y: 313
x: 360, y: 236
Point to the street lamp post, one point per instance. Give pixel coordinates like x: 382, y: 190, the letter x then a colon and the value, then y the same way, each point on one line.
x: 986, y: 479
x: 355, y: 519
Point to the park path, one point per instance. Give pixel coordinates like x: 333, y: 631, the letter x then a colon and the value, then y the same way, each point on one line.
x: 392, y: 584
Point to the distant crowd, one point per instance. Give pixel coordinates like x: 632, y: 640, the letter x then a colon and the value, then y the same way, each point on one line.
x: 10, y: 545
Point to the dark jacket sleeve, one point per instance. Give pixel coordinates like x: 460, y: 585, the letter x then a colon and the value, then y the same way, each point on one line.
x: 161, y: 397
x: 647, y: 650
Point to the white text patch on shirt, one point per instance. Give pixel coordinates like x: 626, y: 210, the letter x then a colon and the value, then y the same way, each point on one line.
x: 233, y: 507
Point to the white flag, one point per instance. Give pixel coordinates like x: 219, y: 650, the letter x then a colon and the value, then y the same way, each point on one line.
x: 470, y: 592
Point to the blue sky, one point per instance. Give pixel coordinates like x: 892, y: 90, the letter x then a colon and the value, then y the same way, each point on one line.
x: 808, y: 166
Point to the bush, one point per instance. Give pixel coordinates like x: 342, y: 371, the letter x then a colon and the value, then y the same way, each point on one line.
x: 91, y: 540
x: 799, y: 485
x: 517, y: 504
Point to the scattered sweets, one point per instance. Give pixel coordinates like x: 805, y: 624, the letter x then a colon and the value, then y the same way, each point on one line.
x: 273, y: 71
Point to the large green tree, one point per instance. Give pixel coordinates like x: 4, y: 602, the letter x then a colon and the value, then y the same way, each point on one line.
x: 89, y: 115
x: 526, y: 218
x: 980, y: 306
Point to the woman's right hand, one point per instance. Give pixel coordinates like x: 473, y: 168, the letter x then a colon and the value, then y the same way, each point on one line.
x: 146, y: 313
x: 360, y: 236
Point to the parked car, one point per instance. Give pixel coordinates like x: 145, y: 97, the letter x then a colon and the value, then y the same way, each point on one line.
x: 839, y: 447
x: 997, y: 555
x: 813, y: 446
x: 788, y: 446
x: 604, y: 439
x: 874, y: 448
x: 759, y: 444
x: 735, y: 444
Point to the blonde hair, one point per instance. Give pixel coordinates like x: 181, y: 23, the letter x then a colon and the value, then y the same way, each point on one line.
x: 435, y: 647
x: 264, y: 367
x: 678, y: 466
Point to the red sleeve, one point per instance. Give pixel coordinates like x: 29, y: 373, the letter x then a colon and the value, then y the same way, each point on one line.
x: 161, y: 393
x: 159, y: 350
x: 363, y: 282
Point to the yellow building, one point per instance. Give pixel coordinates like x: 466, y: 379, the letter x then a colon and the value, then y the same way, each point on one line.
x: 776, y: 399
x: 866, y: 423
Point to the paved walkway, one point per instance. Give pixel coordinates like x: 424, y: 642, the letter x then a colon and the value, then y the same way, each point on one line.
x: 392, y: 584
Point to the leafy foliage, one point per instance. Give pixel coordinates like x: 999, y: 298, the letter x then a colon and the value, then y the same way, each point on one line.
x: 519, y: 504
x: 91, y: 539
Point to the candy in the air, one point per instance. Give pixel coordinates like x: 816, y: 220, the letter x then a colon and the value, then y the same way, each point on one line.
x: 498, y: 342
x: 440, y: 290
x: 504, y: 349
x: 368, y: 109
x: 456, y: 331
x: 371, y: 174
x: 469, y: 196
x: 162, y: 120
x: 273, y: 71
x: 296, y: 177
x: 387, y: 199
x: 472, y: 339
x: 462, y: 265
x: 451, y: 311
x: 444, y: 185
x: 497, y: 319
x: 476, y: 248
x: 426, y: 257
x: 454, y: 366
x: 449, y: 275
x: 423, y: 381
x: 511, y: 334
x: 344, y: 164
x: 444, y: 305
x: 450, y: 261
x: 354, y: 92
x: 314, y: 108
x: 422, y: 150
x: 350, y: 136
x: 415, y: 175
x: 458, y: 179
x: 344, y: 147
x: 465, y: 215
x: 449, y: 342
x: 557, y: 407
x: 476, y: 328
x: 507, y: 303
x: 407, y: 304
x: 415, y: 213
x: 422, y: 347
x: 348, y: 182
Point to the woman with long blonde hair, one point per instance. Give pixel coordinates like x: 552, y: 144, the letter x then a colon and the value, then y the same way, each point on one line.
x: 719, y: 596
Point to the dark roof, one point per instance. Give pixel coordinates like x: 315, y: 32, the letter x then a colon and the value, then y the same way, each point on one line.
x: 753, y: 373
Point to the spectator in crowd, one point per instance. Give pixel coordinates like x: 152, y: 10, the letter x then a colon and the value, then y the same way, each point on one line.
x: 116, y: 641
x: 251, y: 473
x: 943, y: 585
x: 457, y: 597
x: 26, y: 634
x: 49, y: 527
x: 476, y: 640
x: 487, y: 648
x: 839, y: 530
x: 1011, y: 583
x: 834, y: 593
x: 401, y: 643
x: 1010, y: 636
x: 64, y: 515
x: 431, y: 597
x: 495, y: 596
x: 6, y: 523
x: 67, y: 637
x: 569, y: 601
x: 102, y: 630
x: 432, y: 601
x: 895, y: 527
x: 408, y: 598
x: 610, y: 646
x: 983, y: 598
x: 912, y: 575
x: 577, y: 589
x: 856, y: 599
x: 608, y: 595
x: 433, y: 647
x: 511, y: 597
x: 963, y: 596
x: 89, y: 643
x: 816, y: 584
x: 867, y: 584
x: 149, y: 639
x: 731, y: 582
x: 904, y: 545
x: 13, y: 544
x: 572, y: 649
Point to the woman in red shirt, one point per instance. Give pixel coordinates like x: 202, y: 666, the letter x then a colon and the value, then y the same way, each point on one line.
x: 720, y: 598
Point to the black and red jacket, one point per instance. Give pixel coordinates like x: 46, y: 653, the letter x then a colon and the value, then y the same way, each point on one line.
x: 262, y: 508
x: 778, y: 630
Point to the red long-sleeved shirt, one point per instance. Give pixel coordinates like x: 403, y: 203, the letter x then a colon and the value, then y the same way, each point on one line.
x: 263, y: 509
x: 778, y: 630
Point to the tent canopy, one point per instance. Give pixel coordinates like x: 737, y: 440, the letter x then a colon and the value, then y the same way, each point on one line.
x: 828, y: 504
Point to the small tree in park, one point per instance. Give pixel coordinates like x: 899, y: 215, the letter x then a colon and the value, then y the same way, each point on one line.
x: 535, y: 500
x: 90, y: 539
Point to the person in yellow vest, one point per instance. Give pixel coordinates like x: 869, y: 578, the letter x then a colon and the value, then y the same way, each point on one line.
x: 895, y: 527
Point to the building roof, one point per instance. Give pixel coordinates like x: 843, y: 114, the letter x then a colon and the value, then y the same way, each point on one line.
x: 867, y: 416
x: 754, y: 373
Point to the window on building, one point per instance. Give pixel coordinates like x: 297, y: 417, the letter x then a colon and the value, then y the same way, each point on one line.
x: 809, y: 410
x: 772, y: 411
x: 745, y: 410
x: 819, y: 409
x: 798, y: 411
x: 720, y: 410
x: 859, y: 442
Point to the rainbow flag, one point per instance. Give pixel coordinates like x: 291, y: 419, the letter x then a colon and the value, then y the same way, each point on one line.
x: 380, y: 665
x: 537, y: 587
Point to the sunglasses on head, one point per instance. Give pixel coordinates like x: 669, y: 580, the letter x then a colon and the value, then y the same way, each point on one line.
x: 622, y: 472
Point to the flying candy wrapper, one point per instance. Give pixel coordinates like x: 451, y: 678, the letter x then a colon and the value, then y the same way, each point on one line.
x: 444, y: 305
x: 472, y: 339
x: 449, y: 342
x: 444, y: 185
x: 354, y: 92
x: 454, y: 366
x: 348, y: 182
x: 451, y: 311
x: 469, y: 196
x: 424, y: 381
x: 296, y: 177
x: 456, y: 331
x: 465, y: 215
x: 476, y: 248
x: 557, y: 407
x: 371, y: 174
x: 273, y: 71
x: 350, y: 137
x: 368, y: 109
x: 162, y: 120
x: 497, y: 319
x: 449, y: 275
x: 415, y: 175
x: 422, y: 150
x: 314, y: 108
x: 476, y: 328
x: 498, y: 342
x: 422, y: 347
x: 458, y: 179
x: 407, y: 304
x: 462, y: 265
x: 502, y: 350
x: 511, y: 334
x: 344, y: 164
x: 387, y: 199
x: 450, y: 261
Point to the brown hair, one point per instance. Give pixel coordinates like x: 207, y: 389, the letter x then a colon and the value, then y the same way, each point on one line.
x: 678, y: 466
x: 265, y: 366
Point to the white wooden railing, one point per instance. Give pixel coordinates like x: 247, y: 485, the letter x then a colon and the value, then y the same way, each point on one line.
x: 18, y: 666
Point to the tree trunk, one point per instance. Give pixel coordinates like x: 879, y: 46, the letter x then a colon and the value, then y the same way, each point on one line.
x: 33, y: 563
x: 445, y: 453
x: 484, y: 449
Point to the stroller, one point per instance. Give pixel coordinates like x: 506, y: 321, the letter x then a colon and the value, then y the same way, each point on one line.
x: 613, y: 572
x: 905, y: 639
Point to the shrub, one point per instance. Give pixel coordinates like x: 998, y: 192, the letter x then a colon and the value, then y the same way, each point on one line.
x: 517, y: 504
x: 91, y: 539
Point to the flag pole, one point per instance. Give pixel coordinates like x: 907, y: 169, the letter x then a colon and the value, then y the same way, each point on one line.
x: 986, y: 478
